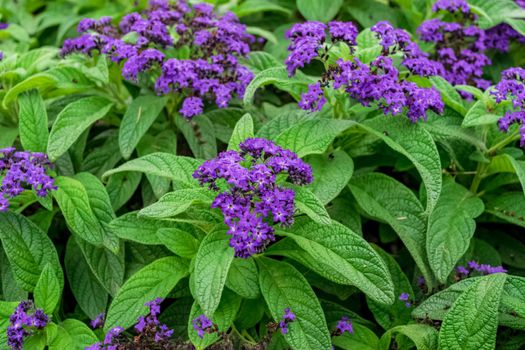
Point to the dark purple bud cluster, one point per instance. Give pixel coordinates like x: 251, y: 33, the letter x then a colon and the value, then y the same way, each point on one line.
x: 211, y: 72
x: 405, y: 297
x: 149, y: 331
x: 22, y: 323
x: 20, y: 170
x: 344, y: 325
x: 512, y: 88
x: 288, y: 317
x: 378, y: 82
x: 459, y: 46
x: 251, y: 200
x: 485, y: 269
x: 203, y: 325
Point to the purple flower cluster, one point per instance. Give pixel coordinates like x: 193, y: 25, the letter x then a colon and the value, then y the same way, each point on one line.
x: 211, y: 73
x: 148, y: 328
x: 203, y: 325
x: 459, y: 46
x: 252, y: 200
x: 473, y: 266
x: 20, y: 169
x: 308, y: 39
x: 24, y: 320
x: 110, y: 340
x: 377, y: 82
x: 288, y: 317
x: 380, y: 82
x: 98, y: 322
x: 344, y: 325
x: 512, y: 88
x: 406, y: 298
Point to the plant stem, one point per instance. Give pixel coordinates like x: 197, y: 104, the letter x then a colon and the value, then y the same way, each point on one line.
x: 509, y: 139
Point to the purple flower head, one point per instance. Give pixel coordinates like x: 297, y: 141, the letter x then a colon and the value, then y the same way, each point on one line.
x: 287, y: 318
x: 203, y: 325
x: 314, y: 99
x: 250, y: 198
x: 23, y: 322
x: 344, y: 325
x: 149, y: 327
x: 4, y: 25
x: 463, y: 270
x: 386, y: 33
x: 451, y: 6
x: 306, y: 39
x: 98, y: 322
x: 485, y: 269
x: 406, y: 298
x: 343, y: 31
x: 211, y: 73
x: 21, y: 170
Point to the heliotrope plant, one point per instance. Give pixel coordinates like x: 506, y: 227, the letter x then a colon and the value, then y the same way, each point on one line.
x: 357, y: 182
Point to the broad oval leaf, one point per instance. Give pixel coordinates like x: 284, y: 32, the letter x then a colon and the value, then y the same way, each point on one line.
x: 308, y: 203
x: 319, y: 10
x: 388, y: 200
x: 177, y: 202
x: 48, y: 290
x: 451, y: 227
x: 282, y: 286
x: 212, y: 264
x: 472, y: 322
x: 423, y: 336
x: 449, y: 94
x: 345, y: 258
x: 33, y: 122
x: 28, y: 250
x: 155, y: 280
x: 243, y: 278
x: 139, y: 117
x: 72, y: 121
x: 415, y: 143
x: 243, y: 130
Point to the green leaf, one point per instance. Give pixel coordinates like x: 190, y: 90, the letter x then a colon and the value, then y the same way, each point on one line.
x: 179, y: 241
x: 494, y: 12
x: 508, y: 206
x: 282, y: 122
x: 41, y: 81
x: 312, y: 136
x: 168, y: 165
x: 423, y: 336
x: 73, y: 201
x: 48, y: 290
x: 507, y: 163
x: 319, y: 10
x: 107, y: 266
x: 283, y: 286
x: 389, y: 316
x: 177, y: 202
x: 7, y: 136
x: 344, y: 257
x: 155, y: 280
x: 388, y: 200
x: 415, y: 143
x: 250, y: 7
x: 143, y: 230
x: 81, y: 335
x: 121, y: 187
x: 6, y: 310
x: 479, y: 115
x: 32, y: 122
x: 277, y: 76
x: 450, y: 96
x: 331, y: 174
x: 362, y: 339
x: 451, y: 227
x: 28, y: 250
x: 243, y: 130
x: 472, y: 321
x: 72, y: 121
x: 309, y: 204
x: 139, y: 117
x: 199, y: 132
x: 243, y: 278
x: 212, y: 264
x: 87, y: 290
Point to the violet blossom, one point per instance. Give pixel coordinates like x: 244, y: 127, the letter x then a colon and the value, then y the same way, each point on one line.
x: 202, y: 325
x: 21, y: 170
x: 23, y: 322
x: 287, y: 318
x: 212, y: 72
x: 250, y: 198
x: 344, y: 325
